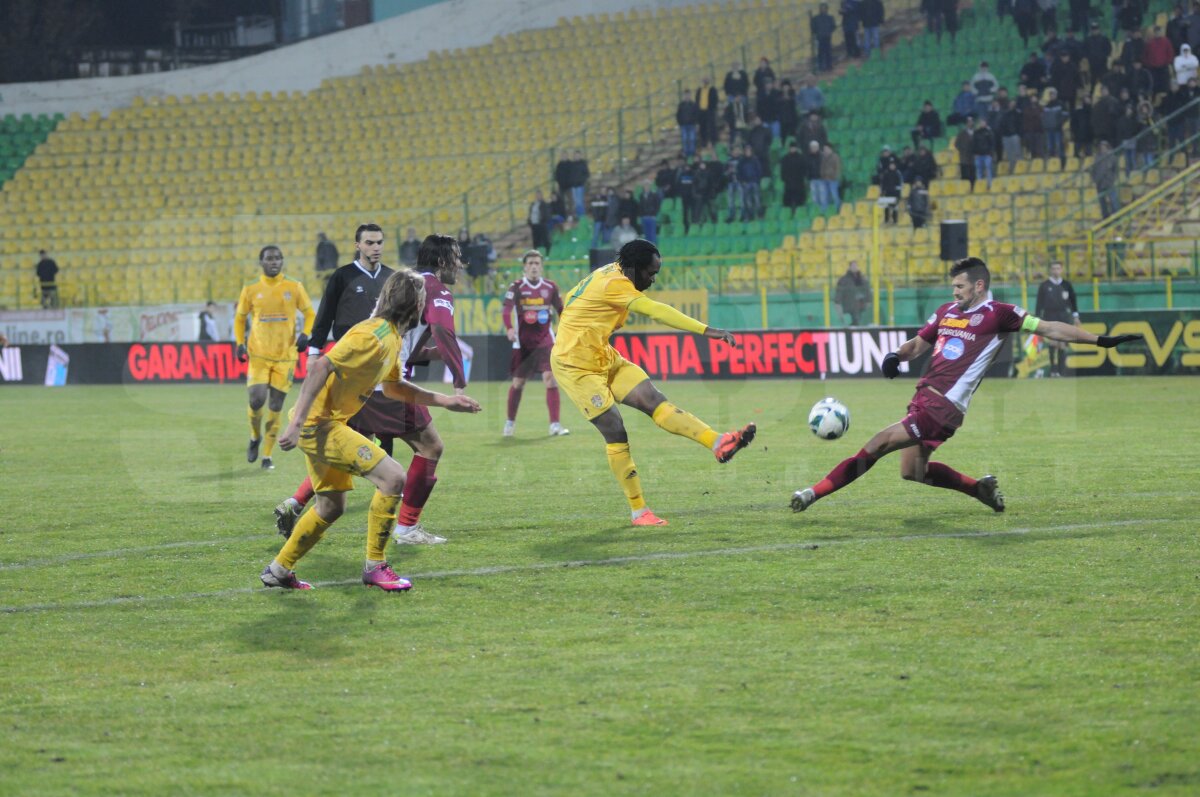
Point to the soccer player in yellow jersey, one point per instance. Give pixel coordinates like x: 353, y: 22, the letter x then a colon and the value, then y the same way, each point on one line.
x: 595, y: 377
x: 336, y: 387
x: 271, y: 303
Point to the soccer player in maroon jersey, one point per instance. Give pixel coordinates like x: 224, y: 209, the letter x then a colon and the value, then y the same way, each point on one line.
x: 532, y: 337
x: 966, y: 334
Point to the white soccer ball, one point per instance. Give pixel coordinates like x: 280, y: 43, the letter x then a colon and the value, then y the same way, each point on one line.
x: 829, y: 418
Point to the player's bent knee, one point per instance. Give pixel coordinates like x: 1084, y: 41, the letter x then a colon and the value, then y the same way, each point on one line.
x: 330, y: 506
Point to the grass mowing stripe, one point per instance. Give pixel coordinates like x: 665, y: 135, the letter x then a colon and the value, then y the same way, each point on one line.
x: 607, y: 562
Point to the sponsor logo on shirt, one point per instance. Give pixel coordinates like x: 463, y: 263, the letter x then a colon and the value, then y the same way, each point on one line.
x: 957, y: 323
x: 953, y: 349
x: 445, y: 304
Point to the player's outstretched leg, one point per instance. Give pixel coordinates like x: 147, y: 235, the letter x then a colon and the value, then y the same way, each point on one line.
x: 419, y: 483
x: 842, y: 474
x: 987, y: 490
x: 381, y: 519
x: 307, y: 533
x: 681, y: 422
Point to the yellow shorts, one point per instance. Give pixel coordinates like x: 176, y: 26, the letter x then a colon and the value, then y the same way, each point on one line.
x: 334, y: 453
x: 594, y: 391
x: 270, y: 372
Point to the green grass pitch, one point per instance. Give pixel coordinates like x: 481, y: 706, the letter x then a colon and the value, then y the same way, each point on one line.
x: 895, y: 639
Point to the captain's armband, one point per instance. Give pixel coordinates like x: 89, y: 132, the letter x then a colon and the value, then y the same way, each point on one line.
x: 1030, y: 324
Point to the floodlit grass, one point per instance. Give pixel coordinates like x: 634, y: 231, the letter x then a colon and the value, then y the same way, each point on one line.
x: 894, y: 639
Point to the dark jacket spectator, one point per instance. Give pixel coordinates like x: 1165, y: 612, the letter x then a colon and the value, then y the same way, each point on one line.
x: 928, y: 126
x: 1097, y: 49
x: 768, y: 104
x: 1033, y: 73
x: 924, y: 166
x: 687, y: 112
x: 1064, y: 77
x: 737, y: 82
x: 762, y: 74
x: 983, y: 141
x: 788, y: 119
x: 759, y: 139
x: 794, y: 173
x: 327, y: 254
x: 812, y: 129
x: 664, y: 179
x: 1081, y: 128
x: 871, y: 13
x: 1104, y: 117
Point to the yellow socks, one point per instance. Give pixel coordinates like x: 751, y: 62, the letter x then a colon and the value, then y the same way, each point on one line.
x: 271, y: 432
x: 309, y: 530
x: 255, y: 423
x: 676, y: 421
x: 381, y: 519
x: 623, y: 468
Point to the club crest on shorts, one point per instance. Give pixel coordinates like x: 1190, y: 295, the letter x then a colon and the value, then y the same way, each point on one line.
x: 364, y: 453
x: 597, y: 401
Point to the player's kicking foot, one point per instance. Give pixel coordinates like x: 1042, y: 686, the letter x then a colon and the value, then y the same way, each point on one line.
x: 648, y: 518
x: 382, y: 576
x: 557, y: 430
x: 267, y: 464
x: 730, y: 443
x: 987, y: 490
x: 286, y: 515
x: 509, y: 428
x: 284, y: 579
x: 252, y: 450
x: 803, y: 499
x: 415, y: 535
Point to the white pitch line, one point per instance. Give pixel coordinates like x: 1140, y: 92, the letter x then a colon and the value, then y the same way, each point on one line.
x: 573, y: 563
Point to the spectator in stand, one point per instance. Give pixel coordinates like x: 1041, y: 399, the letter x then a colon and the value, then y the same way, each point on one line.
x: 813, y: 129
x: 788, y: 120
x: 1048, y: 12
x: 984, y: 84
x: 711, y: 184
x: 559, y: 215
x: 918, y: 204
x: 604, y: 208
x: 1097, y: 49
x: 1033, y: 73
x: 1079, y: 10
x: 749, y: 177
x: 966, y: 151
x: 685, y: 189
x: 327, y: 256
x: 793, y: 173
x: 707, y: 103
x: 623, y: 233
x: 1130, y: 16
x: 767, y: 105
x: 758, y: 138
x: 1104, y: 174
x: 872, y: 15
x: 810, y: 99
x: 687, y: 116
x: 1133, y: 50
x: 1065, y: 79
x: 905, y: 164
x: 1170, y: 105
x: 627, y: 205
x: 464, y: 239
x: 1193, y: 28
x: 886, y: 158
x: 812, y: 167
x: 1081, y: 127
x: 1177, y: 28
x: 1141, y: 82
x: 1104, y: 117
x: 849, y: 10
x: 1053, y: 119
x: 950, y: 19
x: 1128, y: 128
x: 1008, y: 129
x: 964, y: 105
x: 935, y: 23
x: 1157, y: 58
x: 409, y: 248
x: 1116, y: 81
x: 538, y: 219
x: 1147, y: 142
x: 733, y: 189
x: 822, y: 26
x: 47, y: 279
x: 737, y: 82
x: 852, y: 294
x: 572, y: 175
x: 649, y: 205
x: 1186, y: 65
x: 983, y: 145
x: 1032, y: 134
x: 1073, y: 47
x: 562, y: 175
x: 925, y: 166
x: 208, y: 323
x: 891, y: 186
x: 928, y: 126
x: 762, y: 73
x: 735, y: 120
x: 664, y: 179
x: 831, y: 177
x: 1025, y: 17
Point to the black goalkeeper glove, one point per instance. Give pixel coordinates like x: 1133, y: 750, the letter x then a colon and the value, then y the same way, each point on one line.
x: 301, y: 342
x: 1112, y: 341
x: 241, y: 353
x: 891, y: 365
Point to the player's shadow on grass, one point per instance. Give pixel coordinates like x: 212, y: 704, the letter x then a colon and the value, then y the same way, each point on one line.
x: 222, y: 476
x: 294, y: 623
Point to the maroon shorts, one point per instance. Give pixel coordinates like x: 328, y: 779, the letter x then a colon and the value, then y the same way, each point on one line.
x: 931, y: 419
x: 527, y: 361
x: 385, y: 417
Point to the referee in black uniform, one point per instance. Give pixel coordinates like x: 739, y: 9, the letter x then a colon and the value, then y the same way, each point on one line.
x: 1056, y: 302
